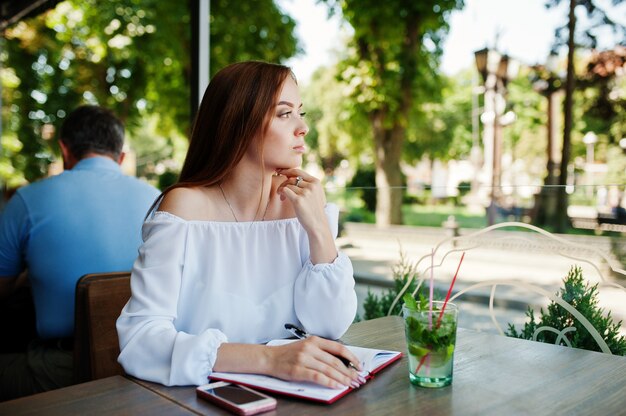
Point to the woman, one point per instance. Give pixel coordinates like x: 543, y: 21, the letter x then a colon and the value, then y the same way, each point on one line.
x: 241, y: 245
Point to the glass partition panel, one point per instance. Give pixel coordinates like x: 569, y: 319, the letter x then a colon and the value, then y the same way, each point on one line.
x: 531, y: 251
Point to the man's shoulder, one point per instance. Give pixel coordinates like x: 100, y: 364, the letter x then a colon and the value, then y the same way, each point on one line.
x: 35, y: 189
x: 68, y: 182
x: 140, y: 184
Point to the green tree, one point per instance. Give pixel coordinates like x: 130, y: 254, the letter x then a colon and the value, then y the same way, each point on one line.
x: 605, y: 103
x: 442, y: 127
x: 392, y: 67
x: 245, y: 30
x: 131, y: 56
x: 566, y: 36
x: 584, y: 298
x: 337, y: 128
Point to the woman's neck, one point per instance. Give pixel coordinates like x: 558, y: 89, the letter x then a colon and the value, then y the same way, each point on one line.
x: 247, y: 194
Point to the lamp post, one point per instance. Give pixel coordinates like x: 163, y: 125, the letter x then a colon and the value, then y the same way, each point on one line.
x: 548, y: 82
x: 496, y: 70
x: 590, y: 139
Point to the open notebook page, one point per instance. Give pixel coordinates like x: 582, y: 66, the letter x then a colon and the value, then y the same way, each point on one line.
x: 371, y: 359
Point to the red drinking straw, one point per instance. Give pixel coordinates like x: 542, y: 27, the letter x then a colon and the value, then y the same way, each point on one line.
x: 443, y: 308
x: 449, y: 291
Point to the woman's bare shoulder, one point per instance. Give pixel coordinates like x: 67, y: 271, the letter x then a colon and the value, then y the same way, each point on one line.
x: 188, y: 203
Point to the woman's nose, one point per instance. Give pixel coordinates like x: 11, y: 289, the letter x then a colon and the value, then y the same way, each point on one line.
x: 302, y: 129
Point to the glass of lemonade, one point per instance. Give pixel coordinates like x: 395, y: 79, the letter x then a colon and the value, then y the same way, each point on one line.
x: 430, y: 338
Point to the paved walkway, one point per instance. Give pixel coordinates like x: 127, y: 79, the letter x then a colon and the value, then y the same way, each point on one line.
x: 522, y: 257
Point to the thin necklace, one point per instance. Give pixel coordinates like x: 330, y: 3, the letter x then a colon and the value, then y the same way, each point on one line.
x: 231, y: 207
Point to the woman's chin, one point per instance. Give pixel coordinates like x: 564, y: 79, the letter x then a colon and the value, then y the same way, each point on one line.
x: 291, y: 166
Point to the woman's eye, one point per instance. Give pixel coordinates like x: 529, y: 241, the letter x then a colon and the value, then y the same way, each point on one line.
x: 288, y: 114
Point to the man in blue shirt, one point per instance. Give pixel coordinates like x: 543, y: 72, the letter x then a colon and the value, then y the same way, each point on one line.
x: 85, y: 220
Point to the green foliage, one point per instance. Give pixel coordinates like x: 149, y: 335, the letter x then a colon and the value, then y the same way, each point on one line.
x: 573, y: 34
x: 166, y: 179
x: 442, y: 127
x: 130, y: 56
x: 364, y: 180
x: 337, y: 129
x: 526, y: 138
x: 583, y: 298
x: 595, y: 18
x: 245, y: 30
x: 616, y: 164
x: 418, y: 304
x: 390, y: 70
x: 428, y: 215
x: 437, y: 338
x: 383, y: 59
x: 376, y: 307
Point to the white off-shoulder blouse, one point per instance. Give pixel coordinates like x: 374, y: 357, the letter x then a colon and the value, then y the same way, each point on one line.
x: 198, y: 284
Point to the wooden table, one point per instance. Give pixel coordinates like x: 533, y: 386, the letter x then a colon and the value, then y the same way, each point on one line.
x: 116, y: 395
x: 493, y: 375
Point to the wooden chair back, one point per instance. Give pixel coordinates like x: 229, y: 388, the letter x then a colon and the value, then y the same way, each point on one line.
x: 100, y: 298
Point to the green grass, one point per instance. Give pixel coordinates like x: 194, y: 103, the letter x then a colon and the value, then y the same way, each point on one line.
x: 427, y: 215
x: 417, y: 214
x: 435, y: 215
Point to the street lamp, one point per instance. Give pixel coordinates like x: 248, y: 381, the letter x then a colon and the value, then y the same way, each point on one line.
x: 590, y: 138
x: 496, y: 71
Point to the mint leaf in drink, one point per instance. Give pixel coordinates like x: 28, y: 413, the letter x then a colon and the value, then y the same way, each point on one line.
x: 415, y: 305
x: 409, y: 301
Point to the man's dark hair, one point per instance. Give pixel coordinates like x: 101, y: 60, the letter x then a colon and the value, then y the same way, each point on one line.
x: 93, y: 129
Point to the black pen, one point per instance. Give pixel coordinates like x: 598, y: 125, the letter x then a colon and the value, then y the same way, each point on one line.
x: 296, y: 331
x: 302, y: 334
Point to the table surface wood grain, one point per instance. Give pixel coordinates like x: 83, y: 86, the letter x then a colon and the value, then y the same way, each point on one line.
x: 493, y: 375
x: 115, y: 395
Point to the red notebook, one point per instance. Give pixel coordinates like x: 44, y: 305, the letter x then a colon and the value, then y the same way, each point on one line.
x: 372, y: 360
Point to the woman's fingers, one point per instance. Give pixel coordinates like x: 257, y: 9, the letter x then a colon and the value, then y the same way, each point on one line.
x: 299, y: 180
x: 294, y: 173
x: 338, y: 350
x: 295, y: 188
x: 316, y: 360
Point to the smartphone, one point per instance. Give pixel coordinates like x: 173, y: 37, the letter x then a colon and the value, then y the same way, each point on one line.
x: 238, y: 399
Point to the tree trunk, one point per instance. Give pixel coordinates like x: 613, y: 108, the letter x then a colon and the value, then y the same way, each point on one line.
x: 389, y: 189
x: 562, y: 219
x: 388, y: 141
x: 545, y: 203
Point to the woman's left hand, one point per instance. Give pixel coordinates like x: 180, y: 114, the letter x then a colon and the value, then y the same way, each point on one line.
x: 306, y: 194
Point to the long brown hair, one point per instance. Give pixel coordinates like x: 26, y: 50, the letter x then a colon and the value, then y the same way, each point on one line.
x: 235, y: 109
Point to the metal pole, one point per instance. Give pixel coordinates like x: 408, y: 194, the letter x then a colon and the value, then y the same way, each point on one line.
x: 489, y: 143
x: 200, y: 50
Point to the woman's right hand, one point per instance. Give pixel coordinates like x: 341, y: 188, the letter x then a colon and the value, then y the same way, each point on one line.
x: 314, y: 359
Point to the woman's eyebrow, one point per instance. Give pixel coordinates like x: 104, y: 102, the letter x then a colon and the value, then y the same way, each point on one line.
x: 288, y: 104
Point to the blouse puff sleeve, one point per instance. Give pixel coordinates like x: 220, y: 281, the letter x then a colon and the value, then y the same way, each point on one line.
x: 151, y: 347
x: 325, y: 300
